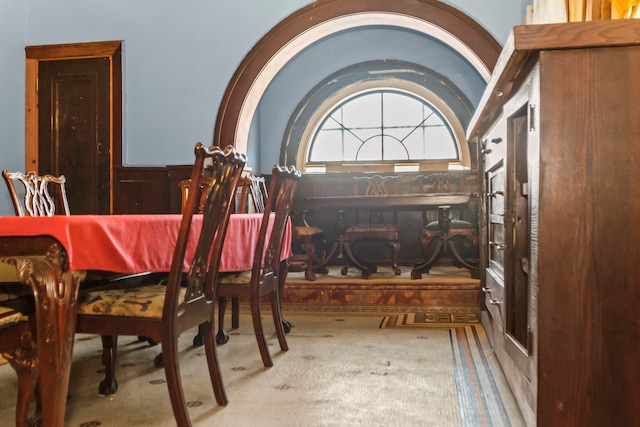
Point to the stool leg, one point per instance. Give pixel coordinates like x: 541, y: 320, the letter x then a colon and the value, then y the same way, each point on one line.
x: 309, y: 274
x: 395, y: 255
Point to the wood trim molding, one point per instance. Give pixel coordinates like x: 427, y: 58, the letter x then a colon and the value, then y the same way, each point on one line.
x: 72, y: 50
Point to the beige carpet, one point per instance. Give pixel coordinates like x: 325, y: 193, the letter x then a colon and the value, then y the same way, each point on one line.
x: 341, y: 370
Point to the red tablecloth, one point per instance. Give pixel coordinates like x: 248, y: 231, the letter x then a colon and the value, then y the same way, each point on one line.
x: 136, y: 243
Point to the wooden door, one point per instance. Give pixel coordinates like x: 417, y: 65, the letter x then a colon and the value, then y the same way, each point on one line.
x: 74, y: 129
x: 74, y: 118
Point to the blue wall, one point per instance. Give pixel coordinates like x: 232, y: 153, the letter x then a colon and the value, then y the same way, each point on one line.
x: 178, y: 58
x: 331, y: 54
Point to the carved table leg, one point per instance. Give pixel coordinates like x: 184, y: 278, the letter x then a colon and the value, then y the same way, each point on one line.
x: 55, y: 290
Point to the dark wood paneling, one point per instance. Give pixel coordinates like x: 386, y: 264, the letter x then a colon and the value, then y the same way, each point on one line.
x: 141, y: 190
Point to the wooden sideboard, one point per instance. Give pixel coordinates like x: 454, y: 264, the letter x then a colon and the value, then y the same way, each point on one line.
x: 559, y: 130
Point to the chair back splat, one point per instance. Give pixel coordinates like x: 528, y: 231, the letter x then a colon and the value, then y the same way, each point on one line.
x: 216, y: 208
x: 188, y: 298
x: 37, y: 199
x: 16, y: 339
x: 282, y: 189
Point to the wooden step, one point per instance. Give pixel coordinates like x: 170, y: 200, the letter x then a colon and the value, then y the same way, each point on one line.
x: 445, y: 286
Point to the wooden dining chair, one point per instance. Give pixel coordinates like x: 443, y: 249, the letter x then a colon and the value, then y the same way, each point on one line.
x: 162, y: 312
x: 268, y: 272
x: 256, y: 195
x: 202, y: 190
x: 310, y: 240
x: 18, y: 347
x: 253, y: 193
x: 376, y: 228
x: 250, y: 197
x: 31, y: 195
x: 35, y: 197
x: 455, y: 238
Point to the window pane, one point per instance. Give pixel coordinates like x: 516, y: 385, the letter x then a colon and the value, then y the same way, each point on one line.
x: 439, y: 143
x: 362, y: 112
x: 327, y: 146
x: 394, y: 145
x: 351, y: 145
x: 401, y: 110
x: 415, y: 145
x: 394, y: 149
x: 334, y: 121
x: 371, y: 150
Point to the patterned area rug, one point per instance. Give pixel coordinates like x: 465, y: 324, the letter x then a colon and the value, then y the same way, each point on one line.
x: 340, y: 370
x: 429, y: 319
x: 479, y: 379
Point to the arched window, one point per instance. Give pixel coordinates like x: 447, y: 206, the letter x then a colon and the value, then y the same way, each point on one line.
x: 383, y: 126
x: 386, y: 123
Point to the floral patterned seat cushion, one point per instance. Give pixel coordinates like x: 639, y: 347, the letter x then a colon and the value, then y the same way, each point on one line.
x: 308, y: 231
x: 10, y: 287
x: 9, y: 315
x: 145, y: 301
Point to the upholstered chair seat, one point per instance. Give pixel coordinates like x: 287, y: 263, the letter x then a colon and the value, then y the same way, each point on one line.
x: 9, y: 315
x: 144, y: 301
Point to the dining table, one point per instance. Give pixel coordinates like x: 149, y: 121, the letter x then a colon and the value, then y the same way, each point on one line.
x: 52, y: 255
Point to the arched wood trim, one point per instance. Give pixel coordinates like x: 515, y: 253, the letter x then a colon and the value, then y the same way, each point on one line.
x: 324, y: 12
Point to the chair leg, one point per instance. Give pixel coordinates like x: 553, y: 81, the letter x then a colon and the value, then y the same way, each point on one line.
x: 321, y: 257
x: 213, y: 363
x: 235, y: 313
x: 259, y: 331
x: 282, y: 278
x: 278, y: 321
x: 24, y: 360
x: 109, y: 385
x: 198, y: 340
x: 222, y: 337
x: 174, y: 384
x: 310, y: 249
x: 395, y: 255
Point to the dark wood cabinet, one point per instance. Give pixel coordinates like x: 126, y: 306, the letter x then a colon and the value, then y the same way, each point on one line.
x: 559, y: 129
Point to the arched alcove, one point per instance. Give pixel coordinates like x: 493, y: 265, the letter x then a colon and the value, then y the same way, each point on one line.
x: 326, y: 17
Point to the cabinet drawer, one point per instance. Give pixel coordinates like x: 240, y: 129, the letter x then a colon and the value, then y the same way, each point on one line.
x: 494, y: 297
x: 493, y: 148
